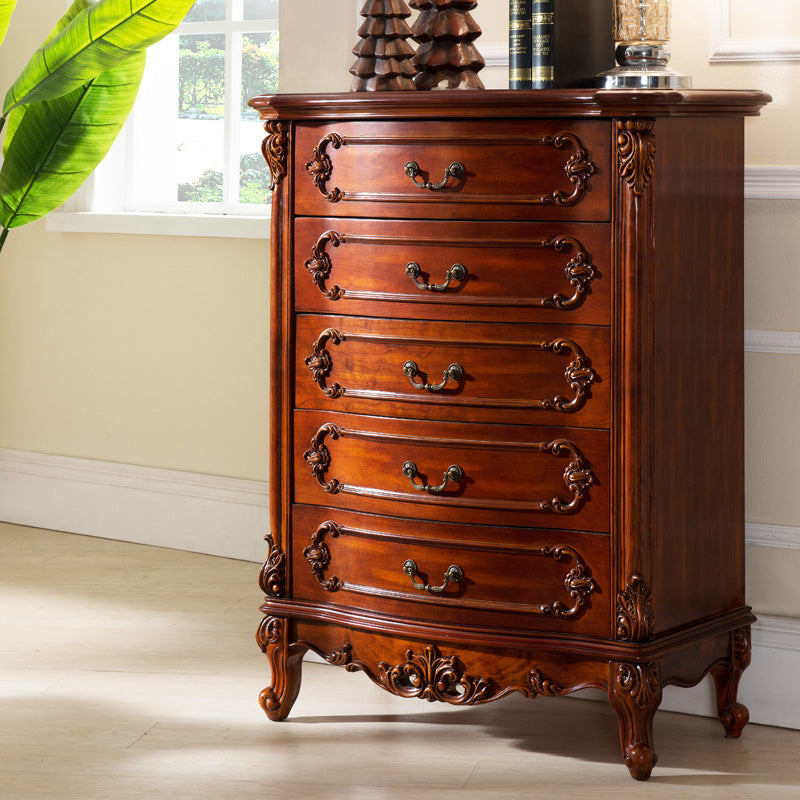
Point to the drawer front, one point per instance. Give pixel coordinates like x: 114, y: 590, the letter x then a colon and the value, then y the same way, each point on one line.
x: 541, y: 169
x: 489, y: 474
x: 456, y: 371
x: 463, y: 574
x: 540, y: 272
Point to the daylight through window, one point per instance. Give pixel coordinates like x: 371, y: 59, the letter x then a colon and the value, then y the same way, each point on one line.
x: 193, y: 142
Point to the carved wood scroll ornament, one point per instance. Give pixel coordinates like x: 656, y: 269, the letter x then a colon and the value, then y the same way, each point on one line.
x: 636, y: 149
x: 275, y: 149
x: 321, y: 167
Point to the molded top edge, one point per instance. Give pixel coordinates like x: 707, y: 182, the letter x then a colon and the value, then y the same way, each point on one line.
x: 512, y: 103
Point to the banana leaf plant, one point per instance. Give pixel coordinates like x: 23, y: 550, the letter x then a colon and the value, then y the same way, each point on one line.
x: 68, y: 104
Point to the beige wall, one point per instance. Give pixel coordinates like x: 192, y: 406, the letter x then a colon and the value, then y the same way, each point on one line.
x: 152, y: 350
x: 146, y: 350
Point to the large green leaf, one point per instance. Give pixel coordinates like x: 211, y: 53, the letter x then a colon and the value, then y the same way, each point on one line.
x: 97, y: 40
x: 57, y: 143
x: 16, y: 115
x: 6, y: 10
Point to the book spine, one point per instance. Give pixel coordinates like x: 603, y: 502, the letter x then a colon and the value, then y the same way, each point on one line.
x: 519, y: 44
x: 542, y: 44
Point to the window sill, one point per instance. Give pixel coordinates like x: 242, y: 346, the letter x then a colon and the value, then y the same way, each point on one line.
x: 159, y: 224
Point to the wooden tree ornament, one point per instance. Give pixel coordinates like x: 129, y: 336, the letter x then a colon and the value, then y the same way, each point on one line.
x: 447, y: 57
x: 383, y: 55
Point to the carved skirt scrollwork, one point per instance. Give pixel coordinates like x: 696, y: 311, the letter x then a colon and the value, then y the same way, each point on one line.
x: 275, y: 149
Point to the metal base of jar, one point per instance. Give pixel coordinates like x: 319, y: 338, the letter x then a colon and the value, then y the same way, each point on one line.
x: 643, y: 65
x: 628, y: 78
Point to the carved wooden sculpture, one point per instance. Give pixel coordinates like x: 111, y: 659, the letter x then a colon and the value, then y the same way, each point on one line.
x: 447, y: 57
x: 383, y: 55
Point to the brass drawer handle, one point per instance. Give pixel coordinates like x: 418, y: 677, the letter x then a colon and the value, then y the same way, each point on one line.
x: 455, y: 170
x: 453, y: 372
x: 453, y: 473
x: 453, y: 575
x: 456, y: 273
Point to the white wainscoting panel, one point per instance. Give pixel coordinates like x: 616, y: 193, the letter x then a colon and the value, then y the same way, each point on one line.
x: 187, y: 511
x: 723, y: 47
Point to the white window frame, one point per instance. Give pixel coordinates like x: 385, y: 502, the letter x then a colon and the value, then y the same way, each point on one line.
x: 101, y: 206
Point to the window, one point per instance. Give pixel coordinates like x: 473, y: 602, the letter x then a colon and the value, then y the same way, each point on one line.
x: 192, y: 145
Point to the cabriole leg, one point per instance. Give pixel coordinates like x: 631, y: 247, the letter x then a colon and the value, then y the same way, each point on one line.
x: 634, y: 690
x: 286, y: 663
x: 733, y: 715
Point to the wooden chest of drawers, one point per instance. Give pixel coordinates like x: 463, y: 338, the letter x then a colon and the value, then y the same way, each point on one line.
x: 507, y: 391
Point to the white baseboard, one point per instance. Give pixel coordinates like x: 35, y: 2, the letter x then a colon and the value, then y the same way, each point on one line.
x: 187, y: 511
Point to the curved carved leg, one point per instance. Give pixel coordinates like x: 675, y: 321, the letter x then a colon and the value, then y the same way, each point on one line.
x: 285, y: 661
x: 733, y: 715
x: 634, y: 690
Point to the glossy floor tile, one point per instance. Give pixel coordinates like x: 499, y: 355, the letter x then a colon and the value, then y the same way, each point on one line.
x: 132, y: 672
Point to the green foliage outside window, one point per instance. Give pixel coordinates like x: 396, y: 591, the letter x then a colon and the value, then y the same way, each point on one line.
x: 202, y: 74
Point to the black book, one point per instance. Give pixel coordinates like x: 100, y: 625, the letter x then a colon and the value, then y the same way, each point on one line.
x: 542, y: 44
x: 519, y: 44
x: 581, y: 43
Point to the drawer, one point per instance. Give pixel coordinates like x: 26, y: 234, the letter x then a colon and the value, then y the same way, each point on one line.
x: 487, y: 372
x: 459, y: 472
x: 494, y: 271
x: 551, y: 580
x: 518, y: 169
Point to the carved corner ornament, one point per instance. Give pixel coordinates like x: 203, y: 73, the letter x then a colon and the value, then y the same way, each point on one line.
x: 275, y: 149
x: 635, y: 611
x: 273, y: 573
x: 636, y: 150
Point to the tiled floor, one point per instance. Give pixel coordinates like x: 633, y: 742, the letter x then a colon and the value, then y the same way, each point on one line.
x: 132, y: 672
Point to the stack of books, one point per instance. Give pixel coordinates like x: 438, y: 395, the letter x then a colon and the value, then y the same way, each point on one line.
x: 559, y: 43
